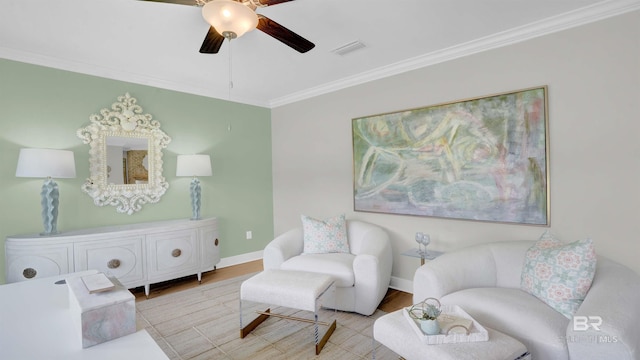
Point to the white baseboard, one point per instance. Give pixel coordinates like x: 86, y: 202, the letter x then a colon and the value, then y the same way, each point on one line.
x: 401, y: 284
x: 239, y: 259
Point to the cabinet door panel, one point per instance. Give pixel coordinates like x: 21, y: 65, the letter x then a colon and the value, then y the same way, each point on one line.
x: 121, y: 258
x: 172, y: 253
x: 34, y: 263
x: 210, y: 248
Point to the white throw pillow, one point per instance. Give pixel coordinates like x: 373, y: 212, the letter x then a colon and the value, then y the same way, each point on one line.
x: 325, y: 236
x: 559, y: 274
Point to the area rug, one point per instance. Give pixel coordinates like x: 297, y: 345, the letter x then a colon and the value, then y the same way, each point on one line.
x: 203, y: 323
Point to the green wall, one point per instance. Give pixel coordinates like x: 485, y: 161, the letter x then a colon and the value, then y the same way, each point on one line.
x: 43, y: 107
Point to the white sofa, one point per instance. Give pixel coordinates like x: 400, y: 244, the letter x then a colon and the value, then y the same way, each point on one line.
x: 484, y: 280
x: 362, y: 276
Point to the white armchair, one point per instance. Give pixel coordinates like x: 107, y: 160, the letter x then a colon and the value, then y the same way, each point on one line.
x: 362, y: 276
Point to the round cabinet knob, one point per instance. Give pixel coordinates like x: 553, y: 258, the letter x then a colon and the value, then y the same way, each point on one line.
x: 29, y: 273
x: 216, y: 242
x: 176, y: 252
x: 113, y: 264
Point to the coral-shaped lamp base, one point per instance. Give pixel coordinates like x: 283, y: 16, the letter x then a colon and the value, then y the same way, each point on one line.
x: 50, y: 200
x: 195, y: 198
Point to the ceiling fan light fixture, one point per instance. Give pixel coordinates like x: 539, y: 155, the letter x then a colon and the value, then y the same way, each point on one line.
x: 230, y: 18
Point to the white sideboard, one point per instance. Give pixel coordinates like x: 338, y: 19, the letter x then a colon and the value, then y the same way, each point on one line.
x: 137, y: 254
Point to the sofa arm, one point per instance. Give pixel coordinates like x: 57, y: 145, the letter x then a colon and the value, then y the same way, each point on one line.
x: 613, y: 298
x: 470, y: 267
x: 283, y: 247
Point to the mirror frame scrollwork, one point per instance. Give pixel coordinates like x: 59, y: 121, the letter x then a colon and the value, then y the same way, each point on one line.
x: 125, y: 119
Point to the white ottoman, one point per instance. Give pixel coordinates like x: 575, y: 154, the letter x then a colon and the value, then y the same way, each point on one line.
x: 394, y: 332
x: 292, y: 289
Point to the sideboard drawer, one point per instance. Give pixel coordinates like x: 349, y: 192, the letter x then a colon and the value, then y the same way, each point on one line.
x: 173, y: 252
x: 32, y: 263
x: 121, y: 258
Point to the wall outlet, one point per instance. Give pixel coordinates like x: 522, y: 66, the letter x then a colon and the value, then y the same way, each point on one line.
x: 249, y: 235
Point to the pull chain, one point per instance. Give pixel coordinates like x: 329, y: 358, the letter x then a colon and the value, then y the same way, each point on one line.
x: 230, y: 71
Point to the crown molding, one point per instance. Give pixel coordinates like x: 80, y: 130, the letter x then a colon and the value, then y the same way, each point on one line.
x: 547, y: 26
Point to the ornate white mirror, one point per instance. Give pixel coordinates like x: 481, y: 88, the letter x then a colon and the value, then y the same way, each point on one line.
x: 125, y: 156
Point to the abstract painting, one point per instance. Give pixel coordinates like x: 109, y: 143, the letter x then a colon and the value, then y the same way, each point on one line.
x: 483, y: 159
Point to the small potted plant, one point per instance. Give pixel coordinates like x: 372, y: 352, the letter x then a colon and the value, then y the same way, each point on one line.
x: 427, y: 314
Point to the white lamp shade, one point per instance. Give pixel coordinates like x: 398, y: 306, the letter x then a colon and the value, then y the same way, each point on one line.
x: 229, y: 16
x: 42, y: 163
x: 194, y: 165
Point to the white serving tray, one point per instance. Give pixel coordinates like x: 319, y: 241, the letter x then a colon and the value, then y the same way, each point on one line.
x: 476, y: 333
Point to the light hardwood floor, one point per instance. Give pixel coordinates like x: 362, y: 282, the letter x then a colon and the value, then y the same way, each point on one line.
x: 393, y: 300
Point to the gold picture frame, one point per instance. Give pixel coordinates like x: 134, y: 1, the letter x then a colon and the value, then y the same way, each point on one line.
x: 483, y: 159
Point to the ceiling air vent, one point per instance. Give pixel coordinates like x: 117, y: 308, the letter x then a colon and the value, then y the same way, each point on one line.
x: 348, y: 48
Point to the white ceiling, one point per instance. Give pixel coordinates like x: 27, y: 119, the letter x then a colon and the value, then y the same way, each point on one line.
x: 157, y: 44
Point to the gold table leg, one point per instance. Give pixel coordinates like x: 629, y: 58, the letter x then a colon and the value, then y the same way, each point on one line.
x: 263, y: 315
x: 326, y: 337
x: 254, y: 324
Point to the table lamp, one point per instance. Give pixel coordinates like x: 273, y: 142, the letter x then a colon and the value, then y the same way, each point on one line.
x: 194, y: 165
x: 48, y: 164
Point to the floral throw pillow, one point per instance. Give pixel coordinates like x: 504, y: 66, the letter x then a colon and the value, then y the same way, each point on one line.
x: 559, y: 274
x: 325, y: 236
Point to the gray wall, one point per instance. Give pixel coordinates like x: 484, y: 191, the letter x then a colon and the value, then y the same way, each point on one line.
x: 593, y: 76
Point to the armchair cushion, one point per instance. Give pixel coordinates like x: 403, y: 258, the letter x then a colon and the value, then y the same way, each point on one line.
x: 510, y: 309
x: 338, y: 265
x: 325, y: 236
x: 559, y: 274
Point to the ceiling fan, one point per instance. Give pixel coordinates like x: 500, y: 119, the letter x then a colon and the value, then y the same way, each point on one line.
x: 230, y: 19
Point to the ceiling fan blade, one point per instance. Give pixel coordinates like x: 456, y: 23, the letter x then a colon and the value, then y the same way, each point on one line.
x: 272, y: 2
x: 179, y: 2
x: 212, y: 42
x: 283, y: 34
